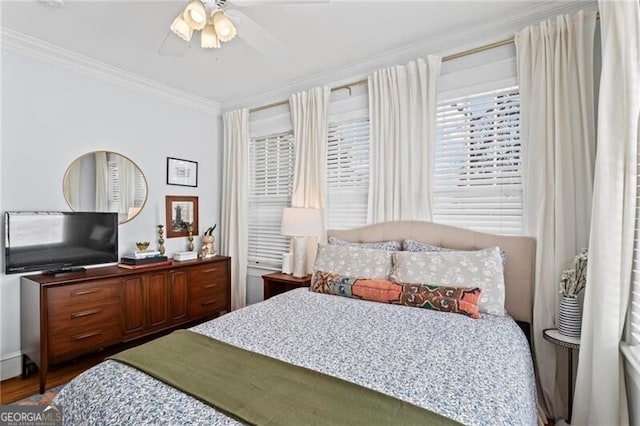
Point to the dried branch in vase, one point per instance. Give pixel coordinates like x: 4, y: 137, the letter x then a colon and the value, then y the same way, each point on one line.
x: 573, y: 280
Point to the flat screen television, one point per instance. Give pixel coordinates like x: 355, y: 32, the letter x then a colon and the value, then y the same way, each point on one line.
x: 59, y: 241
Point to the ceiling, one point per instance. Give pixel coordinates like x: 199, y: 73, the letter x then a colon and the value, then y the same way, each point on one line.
x: 320, y: 37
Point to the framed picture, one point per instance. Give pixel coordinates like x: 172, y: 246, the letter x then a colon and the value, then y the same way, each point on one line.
x: 182, y: 172
x: 181, y: 211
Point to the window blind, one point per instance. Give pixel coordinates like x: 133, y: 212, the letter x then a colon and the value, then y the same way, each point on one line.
x: 140, y: 185
x: 634, y: 311
x: 140, y: 194
x: 270, y: 187
x: 478, y: 168
x: 347, y: 173
x: 114, y: 183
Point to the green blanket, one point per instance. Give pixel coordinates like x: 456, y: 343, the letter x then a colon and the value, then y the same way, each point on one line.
x: 260, y: 390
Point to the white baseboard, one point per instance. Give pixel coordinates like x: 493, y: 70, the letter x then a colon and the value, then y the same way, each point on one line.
x: 10, y: 365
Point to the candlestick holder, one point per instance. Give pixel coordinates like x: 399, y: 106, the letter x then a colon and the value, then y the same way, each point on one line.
x: 190, y: 230
x: 161, y: 239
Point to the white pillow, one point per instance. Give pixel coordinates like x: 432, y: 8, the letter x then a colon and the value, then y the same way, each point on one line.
x: 481, y: 268
x: 353, y: 261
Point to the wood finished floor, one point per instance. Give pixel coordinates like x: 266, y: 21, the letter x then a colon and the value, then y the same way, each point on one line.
x: 17, y: 388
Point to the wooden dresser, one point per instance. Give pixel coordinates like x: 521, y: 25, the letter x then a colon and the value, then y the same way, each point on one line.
x: 73, y: 314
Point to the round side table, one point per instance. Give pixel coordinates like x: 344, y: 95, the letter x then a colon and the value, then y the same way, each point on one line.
x: 553, y: 335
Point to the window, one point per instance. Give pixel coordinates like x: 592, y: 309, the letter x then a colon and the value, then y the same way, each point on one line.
x: 348, y: 173
x: 270, y: 187
x: 120, y: 170
x: 478, y: 167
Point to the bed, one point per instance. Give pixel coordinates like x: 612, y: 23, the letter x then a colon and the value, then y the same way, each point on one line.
x: 469, y: 370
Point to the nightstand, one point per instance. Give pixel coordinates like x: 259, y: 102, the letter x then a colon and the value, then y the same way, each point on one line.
x: 277, y: 282
x: 571, y: 343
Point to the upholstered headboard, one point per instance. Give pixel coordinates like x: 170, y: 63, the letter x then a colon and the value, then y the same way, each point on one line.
x: 519, y: 271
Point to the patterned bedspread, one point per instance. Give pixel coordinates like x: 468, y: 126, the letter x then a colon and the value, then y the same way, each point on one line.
x: 478, y: 372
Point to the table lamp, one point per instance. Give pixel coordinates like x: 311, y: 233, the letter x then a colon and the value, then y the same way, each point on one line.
x: 300, y: 223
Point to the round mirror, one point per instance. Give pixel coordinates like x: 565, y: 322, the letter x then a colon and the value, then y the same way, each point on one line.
x: 104, y: 181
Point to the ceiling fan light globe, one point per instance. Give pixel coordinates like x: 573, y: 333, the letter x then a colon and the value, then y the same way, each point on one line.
x: 195, y: 15
x: 209, y: 38
x: 181, y: 29
x: 224, y: 27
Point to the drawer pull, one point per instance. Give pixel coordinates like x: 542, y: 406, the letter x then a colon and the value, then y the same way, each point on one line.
x: 85, y: 292
x: 209, y: 302
x: 207, y: 271
x: 85, y: 313
x: 210, y: 285
x: 86, y: 336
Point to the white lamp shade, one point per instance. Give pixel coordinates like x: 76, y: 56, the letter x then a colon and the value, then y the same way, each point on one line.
x: 195, y: 15
x: 300, y: 222
x: 181, y: 29
x: 208, y: 38
x: 224, y: 27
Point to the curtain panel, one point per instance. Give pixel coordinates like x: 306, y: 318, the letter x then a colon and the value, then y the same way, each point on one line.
x: 555, y: 73
x: 600, y: 387
x: 402, y: 108
x: 102, y: 182
x: 310, y: 120
x: 235, y: 178
x: 126, y: 184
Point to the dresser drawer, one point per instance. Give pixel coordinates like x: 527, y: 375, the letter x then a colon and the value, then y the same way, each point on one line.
x: 78, y: 317
x: 205, y: 274
x: 207, y: 306
x: 77, y: 294
x: 208, y: 289
x: 76, y: 342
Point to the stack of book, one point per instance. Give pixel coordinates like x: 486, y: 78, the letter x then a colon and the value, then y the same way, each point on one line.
x: 134, y: 259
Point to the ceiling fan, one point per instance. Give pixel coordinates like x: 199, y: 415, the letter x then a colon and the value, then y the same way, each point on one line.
x: 217, y: 24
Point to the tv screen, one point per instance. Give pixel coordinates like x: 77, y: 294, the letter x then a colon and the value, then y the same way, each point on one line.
x: 59, y: 241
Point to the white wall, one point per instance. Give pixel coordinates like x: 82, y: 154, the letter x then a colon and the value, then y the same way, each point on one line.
x: 52, y: 115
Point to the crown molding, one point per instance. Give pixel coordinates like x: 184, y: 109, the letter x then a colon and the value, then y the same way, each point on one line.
x: 443, y: 44
x: 16, y: 42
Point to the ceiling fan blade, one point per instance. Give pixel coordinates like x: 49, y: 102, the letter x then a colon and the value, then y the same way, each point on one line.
x: 257, y: 37
x: 174, y: 46
x: 243, y: 3
x: 58, y: 4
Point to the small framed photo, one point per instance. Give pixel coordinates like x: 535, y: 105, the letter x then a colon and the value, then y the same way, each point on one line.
x: 182, y: 213
x: 182, y: 172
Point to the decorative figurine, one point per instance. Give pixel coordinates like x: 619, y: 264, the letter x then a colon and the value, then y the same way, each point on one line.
x: 208, y: 243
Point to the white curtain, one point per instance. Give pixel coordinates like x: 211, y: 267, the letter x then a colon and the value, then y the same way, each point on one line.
x: 309, y: 116
x: 102, y: 182
x: 126, y: 184
x: 402, y: 106
x: 234, y: 223
x: 555, y: 72
x: 600, y: 388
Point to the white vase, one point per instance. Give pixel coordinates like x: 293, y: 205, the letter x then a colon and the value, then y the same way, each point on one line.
x: 569, y: 317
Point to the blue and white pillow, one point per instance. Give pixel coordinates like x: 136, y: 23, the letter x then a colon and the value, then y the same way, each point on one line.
x: 381, y: 245
x: 416, y: 246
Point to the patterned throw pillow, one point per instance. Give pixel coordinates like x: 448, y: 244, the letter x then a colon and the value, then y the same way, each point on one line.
x: 481, y: 268
x: 352, y: 261
x: 382, y: 245
x: 445, y: 299
x: 417, y: 246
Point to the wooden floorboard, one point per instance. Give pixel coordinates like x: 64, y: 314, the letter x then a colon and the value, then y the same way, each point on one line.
x: 17, y: 388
